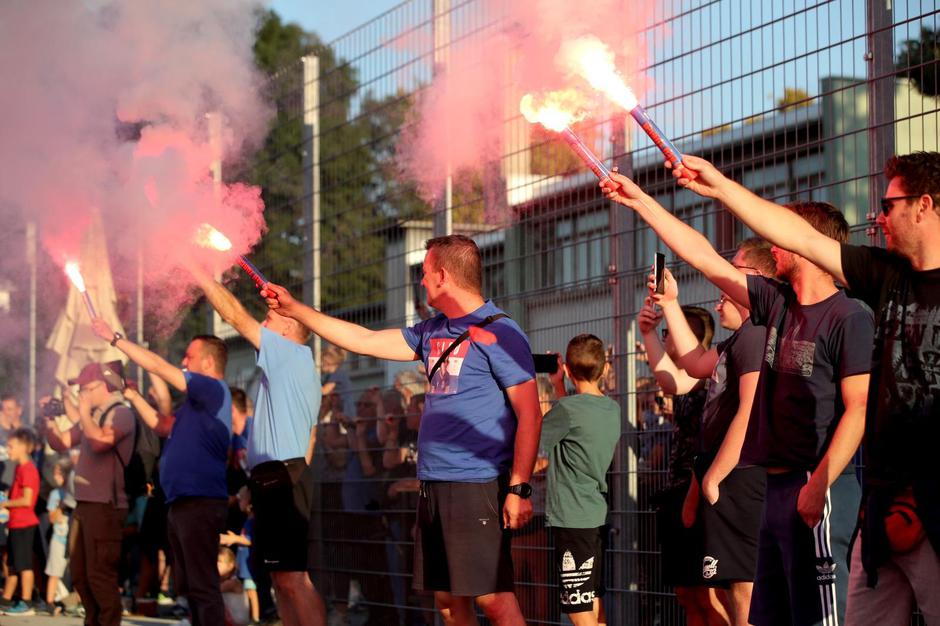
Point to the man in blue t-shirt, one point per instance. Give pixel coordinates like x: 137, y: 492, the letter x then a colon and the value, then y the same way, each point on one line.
x: 479, y: 431
x: 280, y: 477
x: 192, y: 466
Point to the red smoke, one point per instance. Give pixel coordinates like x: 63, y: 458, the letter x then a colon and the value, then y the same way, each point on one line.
x: 460, y: 120
x: 104, y: 109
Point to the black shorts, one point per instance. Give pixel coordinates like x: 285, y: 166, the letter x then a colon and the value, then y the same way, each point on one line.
x: 281, y: 498
x: 460, y: 543
x: 579, y: 561
x: 20, y: 548
x: 681, y: 548
x: 732, y: 527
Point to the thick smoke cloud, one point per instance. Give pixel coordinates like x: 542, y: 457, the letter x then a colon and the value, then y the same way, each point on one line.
x: 459, y: 121
x: 104, y: 108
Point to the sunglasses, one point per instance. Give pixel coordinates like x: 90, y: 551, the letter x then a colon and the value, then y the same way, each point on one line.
x: 888, y: 203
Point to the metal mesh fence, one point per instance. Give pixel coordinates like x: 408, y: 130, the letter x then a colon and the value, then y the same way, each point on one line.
x: 794, y: 99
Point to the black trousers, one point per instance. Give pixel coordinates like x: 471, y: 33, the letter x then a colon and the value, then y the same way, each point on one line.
x: 194, y: 526
x: 95, y: 546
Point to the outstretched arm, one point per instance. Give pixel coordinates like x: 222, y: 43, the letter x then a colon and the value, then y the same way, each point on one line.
x: 679, y: 236
x: 383, y: 344
x: 160, y: 423
x: 775, y: 223
x: 669, y: 377
x: 150, y: 361
x: 692, y: 356
x: 228, y: 307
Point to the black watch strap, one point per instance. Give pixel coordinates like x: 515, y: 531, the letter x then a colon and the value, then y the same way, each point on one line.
x: 117, y: 337
x: 523, y: 490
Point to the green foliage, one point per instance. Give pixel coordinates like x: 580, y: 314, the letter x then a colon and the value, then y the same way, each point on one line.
x: 360, y: 192
x: 792, y: 98
x: 920, y: 58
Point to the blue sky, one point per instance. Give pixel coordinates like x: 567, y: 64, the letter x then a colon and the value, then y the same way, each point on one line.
x: 331, y: 18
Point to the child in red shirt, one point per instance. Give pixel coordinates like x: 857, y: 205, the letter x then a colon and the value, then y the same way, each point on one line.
x: 23, y: 523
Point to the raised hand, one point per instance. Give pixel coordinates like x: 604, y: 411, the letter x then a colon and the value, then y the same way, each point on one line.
x: 622, y: 190
x: 708, y: 179
x: 279, y: 300
x: 102, y: 329
x: 670, y: 292
x: 648, y: 318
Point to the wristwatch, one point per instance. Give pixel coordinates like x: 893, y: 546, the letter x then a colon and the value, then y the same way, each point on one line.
x: 117, y: 337
x: 523, y: 490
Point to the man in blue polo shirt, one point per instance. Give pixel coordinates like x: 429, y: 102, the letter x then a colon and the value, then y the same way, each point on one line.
x: 192, y: 466
x: 280, y: 478
x: 479, y: 431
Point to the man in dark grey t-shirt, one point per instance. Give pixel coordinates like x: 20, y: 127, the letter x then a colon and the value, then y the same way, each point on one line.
x: 104, y: 429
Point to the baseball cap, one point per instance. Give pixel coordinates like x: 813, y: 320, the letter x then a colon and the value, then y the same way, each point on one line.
x: 110, y: 373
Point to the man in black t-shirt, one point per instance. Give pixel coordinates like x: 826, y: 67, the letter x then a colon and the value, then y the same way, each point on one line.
x: 731, y: 521
x: 809, y: 412
x: 902, y: 286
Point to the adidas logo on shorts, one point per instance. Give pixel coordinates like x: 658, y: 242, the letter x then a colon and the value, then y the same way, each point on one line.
x: 573, y: 577
x: 709, y: 567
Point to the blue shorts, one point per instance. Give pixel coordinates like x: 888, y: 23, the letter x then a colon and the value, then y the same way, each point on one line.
x: 802, y: 573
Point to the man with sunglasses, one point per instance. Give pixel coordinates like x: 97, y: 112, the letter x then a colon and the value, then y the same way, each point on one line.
x: 902, y: 286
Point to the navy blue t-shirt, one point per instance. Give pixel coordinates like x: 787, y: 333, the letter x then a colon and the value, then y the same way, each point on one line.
x: 194, y: 456
x: 739, y: 354
x: 468, y: 427
x: 809, y: 350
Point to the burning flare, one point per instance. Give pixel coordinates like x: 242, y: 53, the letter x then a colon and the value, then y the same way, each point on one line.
x: 591, y: 59
x: 556, y: 111
x: 208, y: 236
x: 75, y: 275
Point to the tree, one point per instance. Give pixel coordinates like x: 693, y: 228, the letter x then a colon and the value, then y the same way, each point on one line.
x: 920, y: 60
x: 792, y: 98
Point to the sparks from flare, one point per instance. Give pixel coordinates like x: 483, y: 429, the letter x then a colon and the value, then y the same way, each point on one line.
x: 210, y: 237
x: 75, y: 275
x: 591, y: 59
x: 556, y: 111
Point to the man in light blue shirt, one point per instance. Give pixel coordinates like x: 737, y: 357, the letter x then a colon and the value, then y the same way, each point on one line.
x: 281, y: 484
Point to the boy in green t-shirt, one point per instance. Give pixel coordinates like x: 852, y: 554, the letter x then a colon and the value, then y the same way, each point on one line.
x: 579, y: 434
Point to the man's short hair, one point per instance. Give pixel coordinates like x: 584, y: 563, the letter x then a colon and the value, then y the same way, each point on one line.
x: 214, y: 347
x: 702, y: 324
x: 756, y: 253
x: 11, y: 396
x: 585, y: 357
x: 239, y: 399
x: 460, y: 256
x: 919, y: 173
x: 824, y: 217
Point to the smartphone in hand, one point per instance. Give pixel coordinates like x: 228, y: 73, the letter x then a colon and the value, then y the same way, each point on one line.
x: 545, y: 363
x: 659, y: 272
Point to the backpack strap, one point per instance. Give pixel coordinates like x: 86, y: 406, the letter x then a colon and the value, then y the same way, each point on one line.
x: 114, y: 448
x: 463, y: 337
